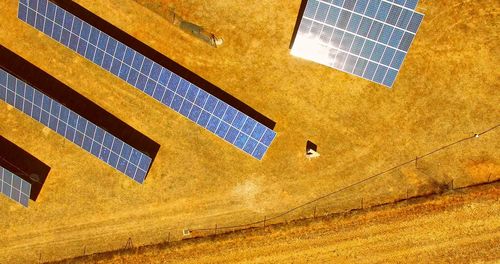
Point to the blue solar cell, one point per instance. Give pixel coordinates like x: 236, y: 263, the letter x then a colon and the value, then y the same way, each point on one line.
x: 133, y: 75
x: 259, y: 151
x: 168, y: 97
x: 141, y: 81
x: 354, y: 23
x: 185, y: 108
x: 398, y: 59
x: 231, y: 134
x: 59, y: 17
x: 395, y: 37
x: 380, y: 74
x: 164, y: 76
x: 155, y: 72
x: 349, y: 4
x: 332, y: 16
x: 192, y: 93
x: 222, y: 129
x: 268, y: 137
x: 404, y: 18
x: 406, y: 41
x: 124, y: 71
x: 411, y: 4
x: 154, y: 78
x: 150, y: 86
x: 176, y: 103
x: 241, y: 140
x: 415, y: 21
x: 220, y: 109
x: 42, y: 6
x: 182, y: 88
x: 56, y: 32
x: 360, y: 6
x: 364, y: 27
x: 393, y: 16
x: 22, y: 12
x: 229, y: 114
x: 370, y: 70
x: 377, y: 52
x: 360, y: 67
x: 343, y: 19
x: 383, y: 11
x: 311, y: 7
x: 249, y: 126
x: 338, y: 2
x: 372, y: 8
x: 195, y: 113
x: 388, y: 55
x: 111, y: 47
x: 159, y: 91
x: 321, y: 12
x: 103, y: 41
x: 390, y: 77
x: 385, y: 34
x: 213, y: 123
x: 340, y: 60
x: 347, y: 41
x: 173, y: 82
x: 250, y: 146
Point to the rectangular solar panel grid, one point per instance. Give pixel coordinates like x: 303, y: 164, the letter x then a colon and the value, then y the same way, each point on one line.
x: 146, y: 75
x: 367, y: 38
x: 74, y: 127
x: 14, y: 187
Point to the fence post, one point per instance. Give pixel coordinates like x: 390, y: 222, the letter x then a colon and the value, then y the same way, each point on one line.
x: 265, y: 221
x: 215, y: 231
x: 416, y: 162
x: 361, y: 203
x: 84, y: 250
x: 314, y: 215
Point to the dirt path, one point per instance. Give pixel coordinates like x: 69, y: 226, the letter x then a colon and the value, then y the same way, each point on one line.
x: 422, y: 231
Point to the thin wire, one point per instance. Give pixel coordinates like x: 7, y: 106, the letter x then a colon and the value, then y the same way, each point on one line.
x: 349, y: 186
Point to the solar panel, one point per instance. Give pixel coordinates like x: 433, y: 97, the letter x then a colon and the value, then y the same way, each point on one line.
x: 14, y: 187
x: 74, y: 127
x: 141, y: 72
x: 367, y: 38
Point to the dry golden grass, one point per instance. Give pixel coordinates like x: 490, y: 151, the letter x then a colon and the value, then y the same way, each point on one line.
x: 447, y: 90
x: 422, y: 230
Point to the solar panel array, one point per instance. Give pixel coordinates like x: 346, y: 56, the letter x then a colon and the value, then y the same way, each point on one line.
x: 14, y: 187
x: 367, y: 38
x: 148, y: 76
x: 74, y: 127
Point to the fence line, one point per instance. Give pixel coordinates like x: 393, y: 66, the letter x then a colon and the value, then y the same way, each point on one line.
x: 352, y: 185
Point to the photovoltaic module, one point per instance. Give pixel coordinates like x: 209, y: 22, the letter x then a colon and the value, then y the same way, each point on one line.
x: 367, y: 38
x: 145, y: 74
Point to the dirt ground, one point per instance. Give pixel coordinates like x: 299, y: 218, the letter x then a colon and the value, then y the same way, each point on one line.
x: 414, y: 231
x: 447, y: 90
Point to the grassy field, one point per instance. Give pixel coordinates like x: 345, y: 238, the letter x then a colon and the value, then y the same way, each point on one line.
x: 421, y: 230
x: 447, y: 90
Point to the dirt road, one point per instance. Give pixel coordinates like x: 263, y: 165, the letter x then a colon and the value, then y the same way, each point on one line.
x: 459, y: 227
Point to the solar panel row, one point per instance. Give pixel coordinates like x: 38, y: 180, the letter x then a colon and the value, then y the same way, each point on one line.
x: 146, y: 75
x: 74, y: 127
x: 368, y: 38
x: 14, y: 187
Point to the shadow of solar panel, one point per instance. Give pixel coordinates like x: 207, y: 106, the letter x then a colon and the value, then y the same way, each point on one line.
x: 367, y: 38
x: 74, y: 127
x: 147, y: 75
x: 14, y: 187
